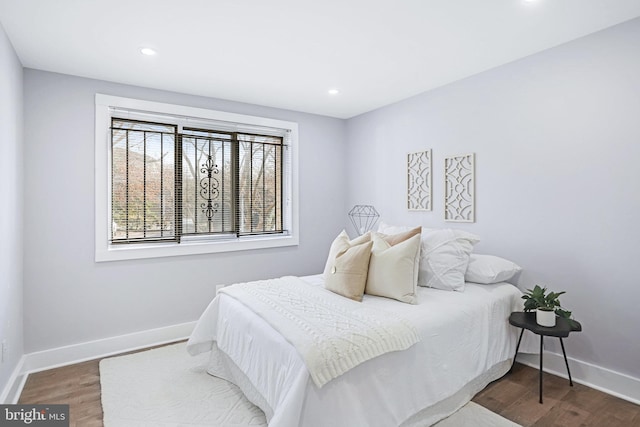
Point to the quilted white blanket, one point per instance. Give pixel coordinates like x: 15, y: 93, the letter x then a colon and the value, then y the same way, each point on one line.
x: 331, y: 333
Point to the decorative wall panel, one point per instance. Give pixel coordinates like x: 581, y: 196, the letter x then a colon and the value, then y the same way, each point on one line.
x: 459, y: 188
x: 419, y: 181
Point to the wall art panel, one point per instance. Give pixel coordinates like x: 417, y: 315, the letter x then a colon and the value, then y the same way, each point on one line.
x: 459, y: 188
x: 419, y: 181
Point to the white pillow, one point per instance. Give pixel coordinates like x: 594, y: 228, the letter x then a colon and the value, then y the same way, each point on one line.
x: 393, y: 270
x: 444, y: 256
x: 487, y: 269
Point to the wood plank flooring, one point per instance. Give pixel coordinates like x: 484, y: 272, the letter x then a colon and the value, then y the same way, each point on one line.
x: 76, y: 385
x: 515, y: 396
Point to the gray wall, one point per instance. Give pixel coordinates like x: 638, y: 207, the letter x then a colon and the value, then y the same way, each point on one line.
x: 557, y: 143
x: 68, y: 297
x: 10, y: 207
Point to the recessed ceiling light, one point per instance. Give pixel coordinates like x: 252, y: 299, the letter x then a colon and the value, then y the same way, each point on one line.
x: 147, y: 51
x: 333, y: 91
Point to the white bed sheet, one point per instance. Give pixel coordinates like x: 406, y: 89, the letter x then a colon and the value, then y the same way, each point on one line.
x: 466, y: 342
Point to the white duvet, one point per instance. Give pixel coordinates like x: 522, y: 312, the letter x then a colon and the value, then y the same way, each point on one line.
x: 466, y: 342
x: 332, y: 335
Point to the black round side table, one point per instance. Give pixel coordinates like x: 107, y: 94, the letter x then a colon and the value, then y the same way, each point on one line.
x: 527, y: 320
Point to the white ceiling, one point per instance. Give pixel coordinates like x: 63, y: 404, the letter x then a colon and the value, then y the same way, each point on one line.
x: 289, y: 53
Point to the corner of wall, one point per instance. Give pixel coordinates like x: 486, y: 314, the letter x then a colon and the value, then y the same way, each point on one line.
x: 11, y: 227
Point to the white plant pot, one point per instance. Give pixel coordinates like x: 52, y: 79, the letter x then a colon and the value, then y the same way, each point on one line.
x: 546, y: 318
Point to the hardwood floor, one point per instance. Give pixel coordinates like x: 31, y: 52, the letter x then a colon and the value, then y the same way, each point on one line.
x: 76, y: 385
x: 515, y: 396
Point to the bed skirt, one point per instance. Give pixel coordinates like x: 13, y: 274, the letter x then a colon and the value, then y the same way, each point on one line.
x: 221, y: 366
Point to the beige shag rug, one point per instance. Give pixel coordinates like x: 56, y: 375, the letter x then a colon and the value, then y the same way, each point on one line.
x: 167, y: 387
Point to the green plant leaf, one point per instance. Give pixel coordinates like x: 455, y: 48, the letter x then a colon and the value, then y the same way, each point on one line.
x: 563, y: 313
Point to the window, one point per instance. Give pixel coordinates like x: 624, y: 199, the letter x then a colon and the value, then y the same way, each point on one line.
x: 181, y: 180
x: 143, y: 181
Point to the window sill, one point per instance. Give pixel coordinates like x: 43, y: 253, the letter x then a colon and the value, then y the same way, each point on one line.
x: 158, y: 250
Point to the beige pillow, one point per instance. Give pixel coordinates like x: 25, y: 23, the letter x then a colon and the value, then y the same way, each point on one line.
x: 394, y: 239
x: 347, y: 275
x: 393, y: 270
x: 341, y: 243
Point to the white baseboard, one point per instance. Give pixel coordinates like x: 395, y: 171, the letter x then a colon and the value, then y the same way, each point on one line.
x: 12, y: 390
x: 608, y: 381
x: 81, y: 352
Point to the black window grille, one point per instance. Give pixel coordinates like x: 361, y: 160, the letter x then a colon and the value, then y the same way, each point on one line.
x: 169, y: 186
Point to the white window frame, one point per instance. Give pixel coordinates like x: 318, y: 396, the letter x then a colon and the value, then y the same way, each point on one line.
x: 104, y: 251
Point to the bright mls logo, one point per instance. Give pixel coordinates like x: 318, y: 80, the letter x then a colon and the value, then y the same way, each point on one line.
x: 34, y: 415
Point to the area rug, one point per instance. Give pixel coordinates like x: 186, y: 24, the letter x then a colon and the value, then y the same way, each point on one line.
x: 167, y: 387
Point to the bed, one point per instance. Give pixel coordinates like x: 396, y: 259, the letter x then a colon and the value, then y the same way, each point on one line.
x: 465, y: 342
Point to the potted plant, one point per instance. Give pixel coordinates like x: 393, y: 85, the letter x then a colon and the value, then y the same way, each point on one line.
x: 546, y: 304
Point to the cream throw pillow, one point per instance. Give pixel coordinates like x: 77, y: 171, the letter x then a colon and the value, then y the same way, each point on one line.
x: 394, y: 239
x: 393, y: 268
x: 347, y: 275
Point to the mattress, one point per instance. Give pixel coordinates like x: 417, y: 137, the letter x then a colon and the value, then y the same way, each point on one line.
x: 466, y: 342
